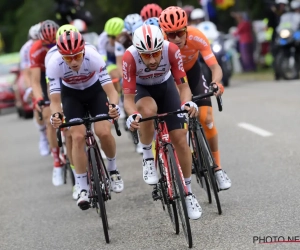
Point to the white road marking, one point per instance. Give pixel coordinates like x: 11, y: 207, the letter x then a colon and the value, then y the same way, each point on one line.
x: 255, y: 129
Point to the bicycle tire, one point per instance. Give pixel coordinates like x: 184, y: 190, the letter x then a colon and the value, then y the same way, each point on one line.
x: 179, y: 195
x: 171, y: 205
x: 100, y: 200
x: 209, y: 163
x: 198, y: 163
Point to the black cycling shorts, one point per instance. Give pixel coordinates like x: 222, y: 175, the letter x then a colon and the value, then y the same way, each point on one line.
x: 167, y: 99
x: 74, y: 100
x: 44, y: 86
x: 198, y: 84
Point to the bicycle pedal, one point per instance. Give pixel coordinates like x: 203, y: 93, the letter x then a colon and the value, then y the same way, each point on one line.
x: 193, y: 171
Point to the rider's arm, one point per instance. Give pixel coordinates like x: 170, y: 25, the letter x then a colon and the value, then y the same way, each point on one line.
x: 204, y: 48
x: 119, y: 52
x: 53, y: 76
x: 36, y: 82
x: 179, y: 73
x: 27, y: 78
x: 102, y: 40
x: 35, y: 72
x: 129, y: 83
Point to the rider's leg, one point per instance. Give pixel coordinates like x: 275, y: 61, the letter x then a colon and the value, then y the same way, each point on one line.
x: 147, y: 107
x: 43, y: 141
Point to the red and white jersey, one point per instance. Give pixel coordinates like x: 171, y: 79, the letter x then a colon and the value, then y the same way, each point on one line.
x: 135, y: 71
x: 25, y: 55
x: 37, y: 55
x: 92, y: 69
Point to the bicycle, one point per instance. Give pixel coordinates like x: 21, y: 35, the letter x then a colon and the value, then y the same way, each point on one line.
x: 98, y: 177
x: 171, y: 188
x: 203, y: 160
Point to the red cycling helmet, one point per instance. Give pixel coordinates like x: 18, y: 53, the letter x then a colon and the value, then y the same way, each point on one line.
x: 70, y: 43
x: 48, y: 31
x: 150, y: 10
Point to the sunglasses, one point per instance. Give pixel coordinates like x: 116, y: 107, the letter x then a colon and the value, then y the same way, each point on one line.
x: 70, y: 58
x: 179, y: 33
x: 149, y: 55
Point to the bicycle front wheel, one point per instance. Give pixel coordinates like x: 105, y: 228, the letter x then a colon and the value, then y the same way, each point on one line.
x: 170, y: 204
x: 99, y: 184
x: 208, y: 166
x: 201, y: 175
x: 179, y: 195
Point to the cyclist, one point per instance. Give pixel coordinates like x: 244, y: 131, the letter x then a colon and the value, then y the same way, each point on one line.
x: 84, y: 81
x: 38, y: 52
x: 149, y: 89
x: 67, y: 134
x: 150, y: 10
x: 33, y: 35
x: 191, y: 41
x: 132, y: 22
x: 112, y: 52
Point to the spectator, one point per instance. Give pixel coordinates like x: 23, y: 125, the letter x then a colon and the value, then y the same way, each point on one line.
x: 246, y: 41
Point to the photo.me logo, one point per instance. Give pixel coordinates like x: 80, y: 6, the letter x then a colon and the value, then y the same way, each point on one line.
x: 268, y: 239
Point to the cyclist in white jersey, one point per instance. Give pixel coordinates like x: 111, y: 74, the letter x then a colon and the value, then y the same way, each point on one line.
x: 112, y: 52
x: 84, y: 81
x: 25, y: 69
x: 149, y: 88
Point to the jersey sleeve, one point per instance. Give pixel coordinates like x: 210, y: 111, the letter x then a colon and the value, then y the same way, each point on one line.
x: 202, y: 43
x: 53, y: 75
x: 176, y: 64
x: 98, y: 65
x: 129, y: 73
x: 119, y: 49
x: 101, y: 45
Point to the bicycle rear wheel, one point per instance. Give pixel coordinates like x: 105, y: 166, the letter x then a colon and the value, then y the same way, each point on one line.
x: 99, y: 184
x: 208, y: 167
x: 201, y: 175
x: 179, y: 195
x: 170, y: 204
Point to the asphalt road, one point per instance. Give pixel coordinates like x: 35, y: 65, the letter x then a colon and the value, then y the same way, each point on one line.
x: 263, y: 200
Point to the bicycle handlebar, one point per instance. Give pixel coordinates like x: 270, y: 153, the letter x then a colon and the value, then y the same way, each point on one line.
x: 85, y: 121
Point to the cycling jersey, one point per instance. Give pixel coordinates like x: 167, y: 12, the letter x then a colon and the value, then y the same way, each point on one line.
x: 25, y: 55
x: 196, y: 42
x: 92, y: 69
x: 135, y: 71
x: 37, y: 55
x: 107, y: 51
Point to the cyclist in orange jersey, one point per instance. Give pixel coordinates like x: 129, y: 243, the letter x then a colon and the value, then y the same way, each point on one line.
x: 193, y: 43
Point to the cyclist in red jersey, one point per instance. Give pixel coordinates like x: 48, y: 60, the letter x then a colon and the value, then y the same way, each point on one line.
x: 149, y: 88
x: 191, y: 41
x: 38, y: 53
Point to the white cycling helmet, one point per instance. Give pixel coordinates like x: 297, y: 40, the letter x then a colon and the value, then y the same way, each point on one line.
x: 34, y: 31
x: 148, y: 39
x: 282, y: 1
x: 132, y: 20
x: 197, y: 14
x: 295, y: 4
x: 79, y: 24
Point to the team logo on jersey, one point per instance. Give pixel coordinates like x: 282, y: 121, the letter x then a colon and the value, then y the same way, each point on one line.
x: 179, y: 59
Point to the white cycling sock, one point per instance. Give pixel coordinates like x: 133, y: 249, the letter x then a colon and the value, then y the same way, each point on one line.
x: 42, y: 130
x: 81, y: 181
x: 111, y: 164
x: 188, y: 183
x: 147, y: 151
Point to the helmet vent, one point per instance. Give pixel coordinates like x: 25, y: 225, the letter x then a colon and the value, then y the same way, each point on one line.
x: 149, y: 41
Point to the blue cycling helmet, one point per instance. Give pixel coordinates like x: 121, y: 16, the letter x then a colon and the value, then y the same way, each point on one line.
x: 136, y: 25
x: 152, y: 21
